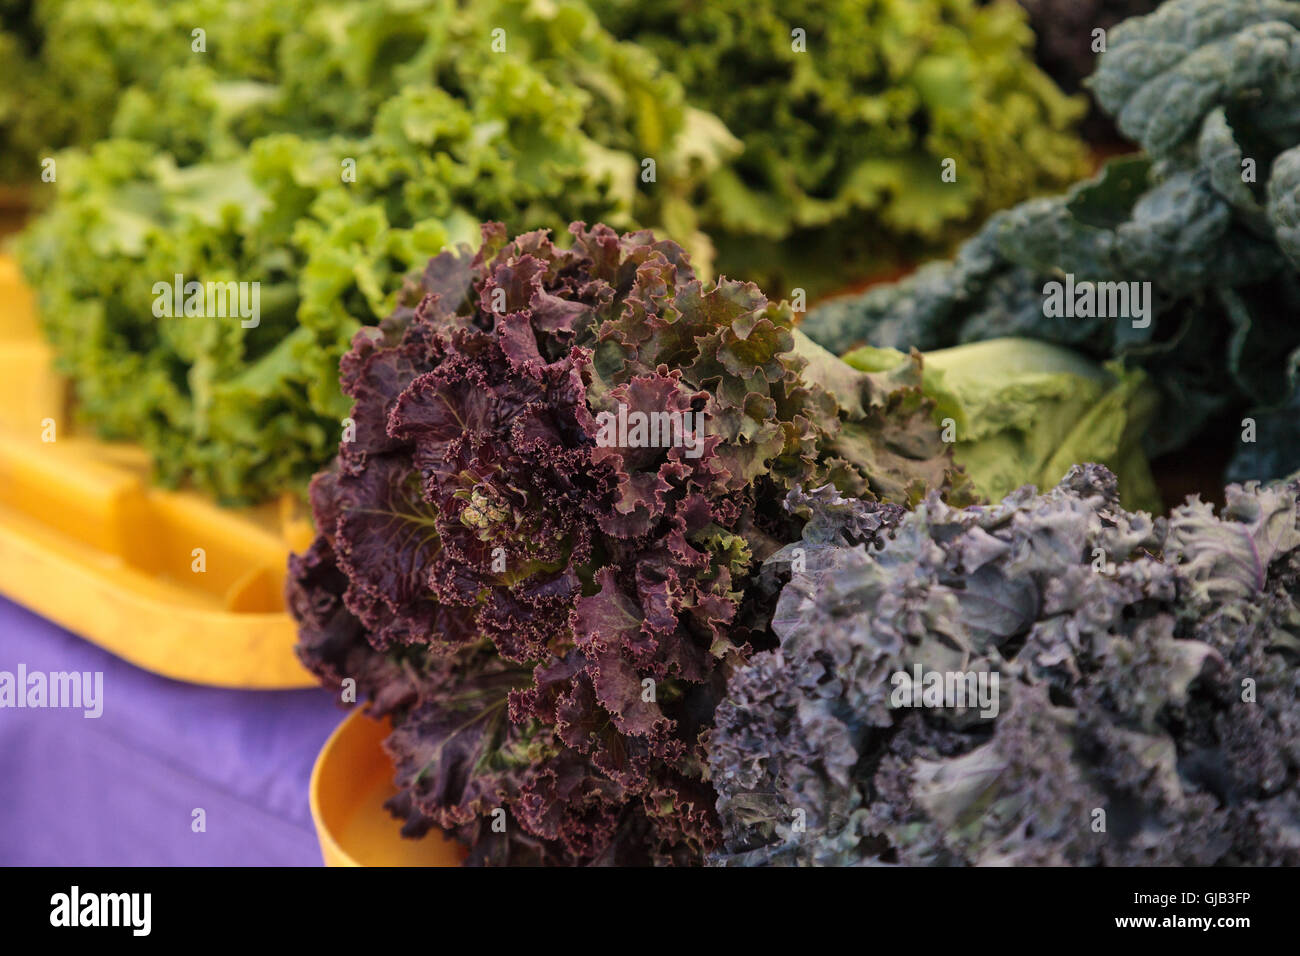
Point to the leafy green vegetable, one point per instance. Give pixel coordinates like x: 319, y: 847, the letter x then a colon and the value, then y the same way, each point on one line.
x: 1207, y: 217
x: 847, y: 111
x: 1022, y: 412
x: 316, y: 68
x: 1146, y: 708
x: 78, y: 58
x: 440, y: 132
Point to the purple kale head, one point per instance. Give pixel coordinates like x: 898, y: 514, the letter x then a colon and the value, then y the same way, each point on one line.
x: 537, y: 548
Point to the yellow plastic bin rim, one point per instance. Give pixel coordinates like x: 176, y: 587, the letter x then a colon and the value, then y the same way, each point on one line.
x: 350, y: 781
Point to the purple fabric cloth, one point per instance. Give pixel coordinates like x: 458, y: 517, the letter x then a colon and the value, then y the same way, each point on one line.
x: 121, y: 789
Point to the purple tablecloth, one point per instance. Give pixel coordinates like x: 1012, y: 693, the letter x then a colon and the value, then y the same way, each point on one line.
x: 121, y: 789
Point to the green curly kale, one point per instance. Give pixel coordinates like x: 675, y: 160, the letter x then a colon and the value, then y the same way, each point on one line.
x: 1208, y: 216
x: 69, y: 62
x: 218, y: 175
x: 846, y: 112
x: 201, y: 79
x: 1132, y: 695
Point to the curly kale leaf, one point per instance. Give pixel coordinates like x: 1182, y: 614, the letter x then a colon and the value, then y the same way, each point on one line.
x: 558, y: 600
x: 846, y: 112
x: 323, y: 151
x: 1145, y: 712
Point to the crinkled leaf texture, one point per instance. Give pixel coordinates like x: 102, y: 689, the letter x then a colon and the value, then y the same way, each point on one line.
x: 1284, y: 203
x: 1208, y: 217
x: 1147, y: 706
x: 549, y: 607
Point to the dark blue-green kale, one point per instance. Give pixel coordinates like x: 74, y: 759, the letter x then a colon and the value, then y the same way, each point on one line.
x: 1146, y: 708
x: 1208, y: 214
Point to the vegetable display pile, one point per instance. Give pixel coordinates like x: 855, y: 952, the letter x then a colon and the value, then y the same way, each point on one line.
x: 1209, y: 216
x: 1147, y: 709
x: 549, y: 611
x: 324, y: 149
x: 639, y: 568
x: 845, y: 136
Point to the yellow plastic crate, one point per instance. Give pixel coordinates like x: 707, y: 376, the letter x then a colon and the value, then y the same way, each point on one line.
x: 166, y: 580
x: 349, y: 784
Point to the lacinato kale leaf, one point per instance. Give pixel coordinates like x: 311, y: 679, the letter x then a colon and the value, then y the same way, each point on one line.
x: 1207, y: 216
